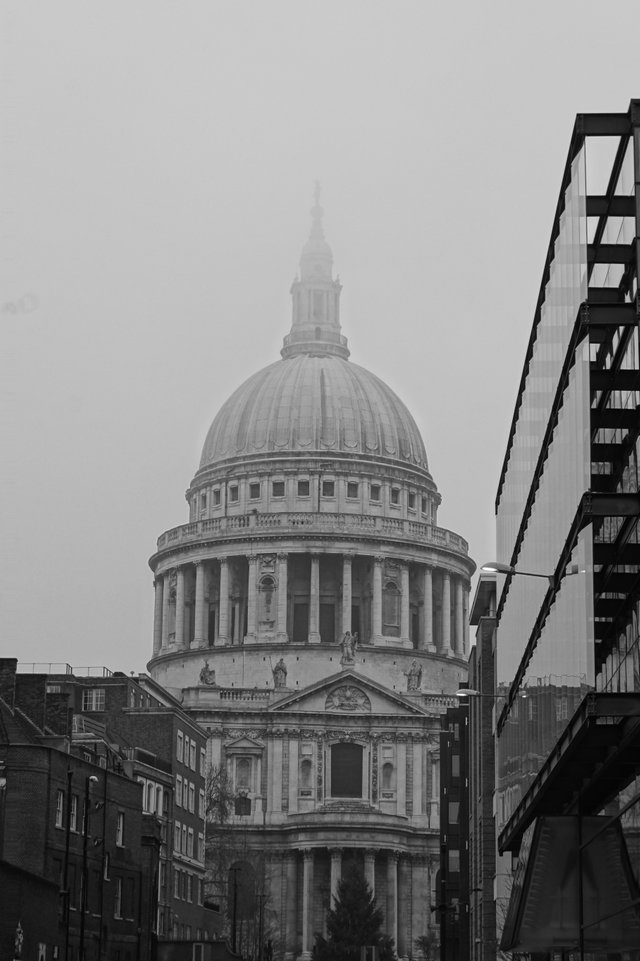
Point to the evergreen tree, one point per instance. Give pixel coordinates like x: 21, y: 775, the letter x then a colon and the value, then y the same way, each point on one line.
x: 352, y: 923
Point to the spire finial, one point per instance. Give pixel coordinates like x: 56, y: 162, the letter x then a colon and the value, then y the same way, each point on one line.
x: 317, y: 232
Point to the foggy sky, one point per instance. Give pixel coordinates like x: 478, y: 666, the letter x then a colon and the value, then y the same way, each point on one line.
x: 159, y: 161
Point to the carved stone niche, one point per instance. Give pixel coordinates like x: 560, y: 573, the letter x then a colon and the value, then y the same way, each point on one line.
x: 347, y: 698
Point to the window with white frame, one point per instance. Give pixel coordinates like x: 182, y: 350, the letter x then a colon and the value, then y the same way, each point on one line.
x: 178, y: 791
x: 190, y: 842
x: 177, y: 834
x: 73, y: 815
x: 93, y: 699
x: 183, y: 845
x: 201, y: 848
x: 180, y: 746
x: 59, y: 808
x: 203, y: 761
x: 192, y: 755
x: 201, y: 804
x: 120, y: 829
x: 192, y: 797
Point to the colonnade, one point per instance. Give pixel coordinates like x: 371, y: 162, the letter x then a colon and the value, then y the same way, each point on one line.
x: 424, y: 585
x: 406, y: 883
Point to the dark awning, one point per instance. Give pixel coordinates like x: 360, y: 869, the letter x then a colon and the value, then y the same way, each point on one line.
x: 556, y: 889
x: 596, y: 756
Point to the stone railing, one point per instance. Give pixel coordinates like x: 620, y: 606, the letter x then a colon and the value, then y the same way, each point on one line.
x: 292, y: 522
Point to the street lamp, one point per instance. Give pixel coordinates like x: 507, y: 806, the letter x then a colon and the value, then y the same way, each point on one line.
x: 497, y: 567
x: 470, y: 692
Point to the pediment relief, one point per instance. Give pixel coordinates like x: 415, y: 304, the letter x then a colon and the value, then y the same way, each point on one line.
x: 347, y: 697
x: 359, y: 694
x: 244, y: 744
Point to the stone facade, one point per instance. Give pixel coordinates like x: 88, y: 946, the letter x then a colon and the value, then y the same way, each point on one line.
x: 312, y: 617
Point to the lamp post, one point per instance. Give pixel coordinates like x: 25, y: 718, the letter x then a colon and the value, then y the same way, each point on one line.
x: 92, y: 779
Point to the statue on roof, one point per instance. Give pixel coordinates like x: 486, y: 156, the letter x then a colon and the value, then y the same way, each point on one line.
x: 208, y: 675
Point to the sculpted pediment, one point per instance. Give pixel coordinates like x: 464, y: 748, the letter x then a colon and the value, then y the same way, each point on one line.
x: 347, y: 693
x: 244, y: 744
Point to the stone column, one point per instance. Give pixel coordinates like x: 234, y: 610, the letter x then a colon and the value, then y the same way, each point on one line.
x: 281, y: 628
x: 370, y: 869
x: 314, y: 601
x: 166, y: 596
x: 347, y: 560
x: 392, y: 895
x: 459, y: 641
x: 446, y: 614
x: 180, y: 607
x: 198, y: 634
x: 237, y: 627
x: 403, y: 945
x: 465, y: 620
x: 307, y: 905
x: 336, y: 873
x: 291, y: 918
x: 421, y: 917
x: 404, y: 602
x: 377, y: 597
x: 223, y: 617
x: 418, y: 800
x: 157, y: 615
x: 252, y: 599
x: 428, y: 610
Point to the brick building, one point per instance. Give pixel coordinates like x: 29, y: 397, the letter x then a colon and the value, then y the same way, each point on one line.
x: 163, y: 749
x: 127, y: 746
x: 72, y: 824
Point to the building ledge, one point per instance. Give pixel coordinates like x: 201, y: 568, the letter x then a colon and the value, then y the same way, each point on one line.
x: 596, y: 756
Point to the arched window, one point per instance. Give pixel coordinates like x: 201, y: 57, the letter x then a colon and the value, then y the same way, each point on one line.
x: 387, y: 776
x: 391, y: 609
x: 243, y: 774
x: 346, y: 770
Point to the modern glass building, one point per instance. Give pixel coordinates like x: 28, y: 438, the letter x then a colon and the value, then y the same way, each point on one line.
x: 568, y: 507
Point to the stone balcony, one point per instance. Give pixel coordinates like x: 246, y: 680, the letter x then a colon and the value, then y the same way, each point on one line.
x: 296, y: 522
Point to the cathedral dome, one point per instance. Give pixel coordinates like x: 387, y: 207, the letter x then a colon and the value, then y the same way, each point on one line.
x: 314, y: 403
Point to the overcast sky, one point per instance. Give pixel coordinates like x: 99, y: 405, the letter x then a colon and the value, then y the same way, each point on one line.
x: 160, y: 160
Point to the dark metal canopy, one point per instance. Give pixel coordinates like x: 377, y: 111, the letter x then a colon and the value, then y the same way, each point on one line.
x: 596, y: 756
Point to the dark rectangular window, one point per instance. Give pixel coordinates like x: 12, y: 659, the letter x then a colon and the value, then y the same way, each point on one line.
x: 303, y: 488
x: 278, y: 488
x: 328, y: 488
x: 346, y: 770
x: 216, y: 497
x: 375, y: 492
x: 233, y: 494
x: 352, y: 489
x: 395, y: 495
x: 254, y: 491
x: 424, y: 505
x: 412, y: 501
